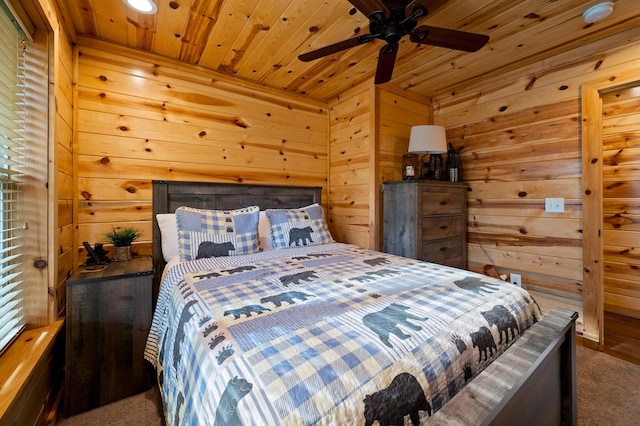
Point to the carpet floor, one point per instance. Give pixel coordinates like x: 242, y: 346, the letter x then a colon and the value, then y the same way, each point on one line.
x: 608, y: 394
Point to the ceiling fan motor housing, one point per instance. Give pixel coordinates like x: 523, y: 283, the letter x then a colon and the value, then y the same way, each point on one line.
x: 393, y: 28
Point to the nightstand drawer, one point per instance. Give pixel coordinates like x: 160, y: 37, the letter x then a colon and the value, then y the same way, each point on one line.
x: 437, y: 227
x: 441, y: 250
x: 436, y: 202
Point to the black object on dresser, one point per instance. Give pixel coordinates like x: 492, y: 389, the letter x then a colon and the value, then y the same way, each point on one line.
x: 107, y: 323
x: 426, y: 220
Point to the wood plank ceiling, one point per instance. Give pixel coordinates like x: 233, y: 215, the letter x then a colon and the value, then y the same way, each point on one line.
x: 260, y: 40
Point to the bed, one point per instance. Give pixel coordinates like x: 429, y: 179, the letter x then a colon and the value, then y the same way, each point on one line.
x: 318, y: 332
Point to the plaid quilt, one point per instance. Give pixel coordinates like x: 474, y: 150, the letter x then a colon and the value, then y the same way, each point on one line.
x: 329, y: 334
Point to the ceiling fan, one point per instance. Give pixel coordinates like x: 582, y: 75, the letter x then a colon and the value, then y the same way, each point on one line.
x: 390, y: 20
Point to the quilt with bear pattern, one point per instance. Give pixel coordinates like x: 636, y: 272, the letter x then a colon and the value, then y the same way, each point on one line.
x: 329, y: 334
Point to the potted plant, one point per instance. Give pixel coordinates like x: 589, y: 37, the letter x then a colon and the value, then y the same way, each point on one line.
x: 121, y: 238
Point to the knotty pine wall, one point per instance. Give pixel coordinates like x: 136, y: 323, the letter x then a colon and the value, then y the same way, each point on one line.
x: 142, y: 117
x: 396, y: 112
x: 62, y: 194
x: 350, y: 139
x: 519, y: 135
x: 621, y: 199
x: 51, y: 123
x: 369, y: 133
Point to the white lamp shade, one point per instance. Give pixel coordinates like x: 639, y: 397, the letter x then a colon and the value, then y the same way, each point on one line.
x: 428, y: 138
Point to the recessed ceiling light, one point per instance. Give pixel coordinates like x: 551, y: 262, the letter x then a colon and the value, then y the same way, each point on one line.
x: 597, y: 12
x: 142, y: 6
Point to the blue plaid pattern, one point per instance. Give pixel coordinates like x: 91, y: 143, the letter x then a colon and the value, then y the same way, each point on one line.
x: 304, y: 335
x: 298, y: 227
x: 236, y: 227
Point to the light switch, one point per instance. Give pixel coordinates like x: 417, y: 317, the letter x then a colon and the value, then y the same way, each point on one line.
x: 554, y: 205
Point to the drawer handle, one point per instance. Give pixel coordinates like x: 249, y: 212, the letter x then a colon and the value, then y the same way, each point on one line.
x: 443, y: 249
x: 443, y: 227
x: 443, y: 203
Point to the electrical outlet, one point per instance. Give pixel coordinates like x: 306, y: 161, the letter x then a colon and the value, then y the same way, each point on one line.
x: 516, y: 279
x: 554, y: 205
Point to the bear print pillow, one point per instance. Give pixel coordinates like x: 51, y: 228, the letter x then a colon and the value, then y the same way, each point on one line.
x: 298, y: 227
x: 215, y: 233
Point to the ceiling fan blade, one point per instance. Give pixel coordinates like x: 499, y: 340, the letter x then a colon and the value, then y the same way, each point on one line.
x: 452, y: 39
x: 386, y: 61
x: 432, y: 5
x: 335, y: 47
x: 397, y: 4
x: 367, y: 7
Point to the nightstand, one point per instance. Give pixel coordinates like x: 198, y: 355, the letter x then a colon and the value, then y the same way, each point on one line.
x: 107, y: 323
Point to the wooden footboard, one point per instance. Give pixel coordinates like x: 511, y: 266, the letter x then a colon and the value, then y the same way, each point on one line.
x: 532, y: 383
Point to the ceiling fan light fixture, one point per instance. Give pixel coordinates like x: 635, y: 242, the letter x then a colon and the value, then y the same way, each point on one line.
x: 598, y: 12
x: 147, y: 7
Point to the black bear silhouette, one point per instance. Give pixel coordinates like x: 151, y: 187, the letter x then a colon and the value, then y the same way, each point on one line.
x: 239, y: 269
x: 226, y: 414
x: 211, y: 249
x: 288, y: 297
x: 389, y: 406
x: 300, y: 236
x: 207, y: 275
x: 377, y: 261
x: 307, y: 276
x: 319, y: 255
x: 246, y: 311
x: 483, y: 340
x: 387, y: 320
x: 476, y: 285
x: 184, y: 318
x: 502, y: 318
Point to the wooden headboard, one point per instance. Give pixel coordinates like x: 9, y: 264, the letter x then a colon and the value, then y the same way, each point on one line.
x: 169, y: 195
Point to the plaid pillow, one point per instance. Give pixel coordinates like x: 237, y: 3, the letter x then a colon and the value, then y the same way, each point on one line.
x: 215, y: 233
x: 298, y: 227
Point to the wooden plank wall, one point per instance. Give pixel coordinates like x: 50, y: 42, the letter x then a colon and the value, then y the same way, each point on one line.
x: 396, y: 112
x: 369, y: 129
x: 519, y: 135
x: 350, y: 174
x: 142, y: 117
x: 62, y: 204
x: 53, y: 175
x: 621, y: 200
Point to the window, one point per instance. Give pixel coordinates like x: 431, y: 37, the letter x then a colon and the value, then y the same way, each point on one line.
x: 12, y: 168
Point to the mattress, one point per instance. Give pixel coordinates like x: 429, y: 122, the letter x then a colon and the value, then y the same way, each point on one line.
x: 329, y: 334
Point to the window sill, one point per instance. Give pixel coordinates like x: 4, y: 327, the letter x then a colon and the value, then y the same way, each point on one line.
x: 21, y: 359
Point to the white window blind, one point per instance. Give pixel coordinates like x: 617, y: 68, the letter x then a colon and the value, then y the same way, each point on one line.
x: 12, y: 167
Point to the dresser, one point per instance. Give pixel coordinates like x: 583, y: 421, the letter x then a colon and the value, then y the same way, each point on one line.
x: 107, y: 323
x: 426, y: 220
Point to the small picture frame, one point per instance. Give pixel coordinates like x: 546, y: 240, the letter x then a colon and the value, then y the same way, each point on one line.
x: 410, y: 167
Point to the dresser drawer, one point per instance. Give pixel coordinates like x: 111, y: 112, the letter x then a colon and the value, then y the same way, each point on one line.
x: 437, y: 227
x: 445, y: 202
x: 440, y: 250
